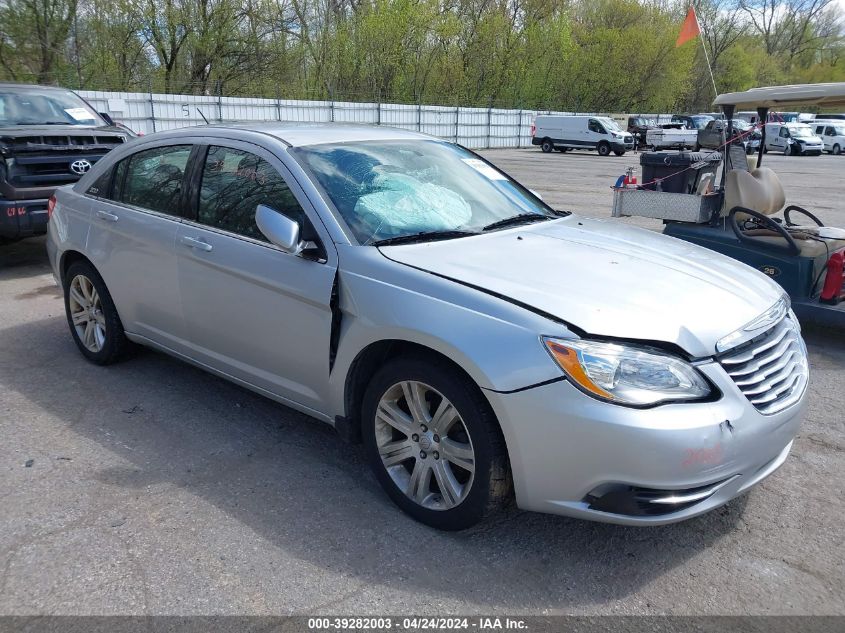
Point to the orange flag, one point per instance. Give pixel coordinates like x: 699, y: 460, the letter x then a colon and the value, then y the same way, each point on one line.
x: 690, y: 28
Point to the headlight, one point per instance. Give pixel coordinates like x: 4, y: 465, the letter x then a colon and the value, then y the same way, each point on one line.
x: 626, y: 375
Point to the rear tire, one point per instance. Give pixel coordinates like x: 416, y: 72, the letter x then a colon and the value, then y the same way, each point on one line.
x: 411, y: 453
x: 547, y: 145
x: 604, y: 148
x: 91, y: 315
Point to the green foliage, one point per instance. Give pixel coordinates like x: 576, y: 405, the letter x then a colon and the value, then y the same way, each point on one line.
x: 582, y: 55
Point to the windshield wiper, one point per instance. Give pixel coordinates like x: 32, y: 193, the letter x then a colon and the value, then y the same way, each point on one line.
x: 522, y: 218
x: 425, y: 236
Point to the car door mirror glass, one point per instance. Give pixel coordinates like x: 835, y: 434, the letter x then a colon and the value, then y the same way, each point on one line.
x: 279, y: 229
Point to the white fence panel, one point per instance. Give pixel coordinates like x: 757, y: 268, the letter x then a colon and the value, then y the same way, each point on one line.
x: 473, y: 127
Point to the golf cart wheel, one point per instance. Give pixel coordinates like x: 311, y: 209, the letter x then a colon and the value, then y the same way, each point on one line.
x: 547, y: 145
x: 434, y: 443
x: 836, y: 151
x: 604, y: 148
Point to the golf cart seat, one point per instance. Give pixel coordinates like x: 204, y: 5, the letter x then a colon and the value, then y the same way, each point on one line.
x: 761, y: 191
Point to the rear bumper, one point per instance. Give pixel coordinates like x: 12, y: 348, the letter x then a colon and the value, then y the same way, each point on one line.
x: 23, y: 218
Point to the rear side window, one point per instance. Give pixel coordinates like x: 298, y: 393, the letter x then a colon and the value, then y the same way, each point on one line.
x: 153, y: 178
x: 234, y: 183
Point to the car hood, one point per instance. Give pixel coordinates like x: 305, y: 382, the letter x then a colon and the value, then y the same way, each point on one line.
x: 606, y: 278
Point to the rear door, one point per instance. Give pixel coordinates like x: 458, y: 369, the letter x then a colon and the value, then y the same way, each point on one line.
x: 134, y: 220
x: 251, y: 310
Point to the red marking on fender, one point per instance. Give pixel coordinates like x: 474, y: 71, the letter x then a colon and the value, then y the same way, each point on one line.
x: 703, y: 456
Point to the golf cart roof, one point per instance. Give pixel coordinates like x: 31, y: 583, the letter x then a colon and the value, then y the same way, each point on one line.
x: 824, y: 95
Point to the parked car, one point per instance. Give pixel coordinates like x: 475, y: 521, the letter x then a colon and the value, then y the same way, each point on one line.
x: 48, y: 137
x: 566, y: 133
x: 713, y: 135
x: 638, y: 127
x: 692, y: 121
x: 793, y: 139
x: 831, y: 117
x: 406, y: 291
x: 832, y: 133
x: 784, y: 117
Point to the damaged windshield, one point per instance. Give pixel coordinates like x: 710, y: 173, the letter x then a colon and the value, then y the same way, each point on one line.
x: 386, y: 190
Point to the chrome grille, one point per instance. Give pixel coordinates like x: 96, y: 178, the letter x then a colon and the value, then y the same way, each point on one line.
x: 770, y: 369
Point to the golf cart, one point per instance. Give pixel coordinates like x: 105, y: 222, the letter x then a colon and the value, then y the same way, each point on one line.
x: 735, y: 213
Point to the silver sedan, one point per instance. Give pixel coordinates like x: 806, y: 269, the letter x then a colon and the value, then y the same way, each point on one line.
x: 483, y: 346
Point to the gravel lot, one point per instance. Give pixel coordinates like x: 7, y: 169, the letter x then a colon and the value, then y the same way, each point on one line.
x: 151, y: 487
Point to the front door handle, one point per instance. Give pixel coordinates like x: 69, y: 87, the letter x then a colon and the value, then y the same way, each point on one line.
x: 105, y: 215
x: 191, y: 242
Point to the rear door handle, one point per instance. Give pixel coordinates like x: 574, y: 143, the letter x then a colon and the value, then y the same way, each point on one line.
x: 191, y: 242
x: 105, y: 215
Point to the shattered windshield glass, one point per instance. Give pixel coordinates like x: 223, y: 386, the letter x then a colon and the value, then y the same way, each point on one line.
x: 391, y: 189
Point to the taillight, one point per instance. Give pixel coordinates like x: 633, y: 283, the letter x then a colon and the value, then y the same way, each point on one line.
x: 834, y: 283
x: 533, y: 129
x: 51, y: 204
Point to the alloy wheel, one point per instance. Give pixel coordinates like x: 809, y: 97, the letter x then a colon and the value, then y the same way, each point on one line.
x: 86, y: 312
x: 424, y: 445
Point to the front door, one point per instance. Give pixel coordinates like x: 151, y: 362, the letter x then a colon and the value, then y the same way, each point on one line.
x: 251, y: 310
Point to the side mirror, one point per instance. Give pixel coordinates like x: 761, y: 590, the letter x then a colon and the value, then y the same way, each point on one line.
x: 107, y: 118
x: 280, y: 230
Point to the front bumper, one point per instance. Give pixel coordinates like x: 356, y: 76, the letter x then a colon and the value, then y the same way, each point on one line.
x: 22, y: 218
x: 810, y: 149
x: 565, y: 447
x: 626, y: 145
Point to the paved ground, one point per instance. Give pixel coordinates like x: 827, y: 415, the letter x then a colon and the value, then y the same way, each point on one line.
x: 152, y: 487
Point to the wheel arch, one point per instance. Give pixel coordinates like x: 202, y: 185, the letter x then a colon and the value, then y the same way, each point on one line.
x: 70, y: 257
x: 368, y: 361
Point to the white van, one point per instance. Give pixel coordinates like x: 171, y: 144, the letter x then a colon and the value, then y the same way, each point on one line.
x: 832, y: 134
x: 564, y: 133
x: 792, y: 139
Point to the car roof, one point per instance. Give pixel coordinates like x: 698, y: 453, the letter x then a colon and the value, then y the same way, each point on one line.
x: 296, y: 134
x: 12, y: 84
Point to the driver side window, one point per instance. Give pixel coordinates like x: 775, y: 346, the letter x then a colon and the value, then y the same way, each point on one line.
x: 784, y: 133
x: 234, y: 183
x: 595, y: 126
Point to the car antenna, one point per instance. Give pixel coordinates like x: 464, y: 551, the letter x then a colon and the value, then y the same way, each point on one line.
x: 203, y: 116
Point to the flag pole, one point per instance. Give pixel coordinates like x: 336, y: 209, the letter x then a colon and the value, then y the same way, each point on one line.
x: 706, y: 56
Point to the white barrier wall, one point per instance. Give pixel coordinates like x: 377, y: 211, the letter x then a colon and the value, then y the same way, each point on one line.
x: 472, y: 127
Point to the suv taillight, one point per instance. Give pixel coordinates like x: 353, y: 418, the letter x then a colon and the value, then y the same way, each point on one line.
x: 834, y: 283
x: 51, y: 204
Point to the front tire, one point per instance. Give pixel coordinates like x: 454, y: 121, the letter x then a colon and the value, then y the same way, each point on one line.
x: 604, y: 148
x: 434, y: 444
x: 836, y: 151
x: 91, y: 315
